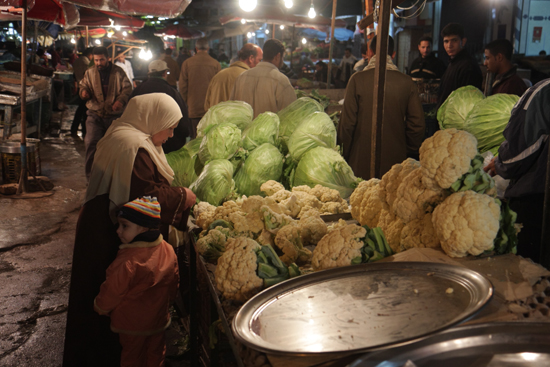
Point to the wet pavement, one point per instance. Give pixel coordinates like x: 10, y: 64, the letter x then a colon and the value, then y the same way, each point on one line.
x: 36, y: 245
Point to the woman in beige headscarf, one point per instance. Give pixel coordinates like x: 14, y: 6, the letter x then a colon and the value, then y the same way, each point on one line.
x: 129, y: 163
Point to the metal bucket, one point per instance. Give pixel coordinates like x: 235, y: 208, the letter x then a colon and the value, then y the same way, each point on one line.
x: 37, y: 159
x: 11, y: 160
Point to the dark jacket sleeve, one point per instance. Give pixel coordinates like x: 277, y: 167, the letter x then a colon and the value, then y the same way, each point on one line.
x: 146, y: 180
x: 415, y: 126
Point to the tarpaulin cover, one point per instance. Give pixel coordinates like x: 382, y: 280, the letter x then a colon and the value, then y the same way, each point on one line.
x: 163, y: 8
x: 48, y: 10
x: 274, y: 14
x: 98, y: 18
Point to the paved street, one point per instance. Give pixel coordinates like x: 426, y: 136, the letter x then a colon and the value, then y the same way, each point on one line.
x: 36, y: 244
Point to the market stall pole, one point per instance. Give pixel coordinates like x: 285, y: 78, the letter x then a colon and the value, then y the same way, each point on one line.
x: 332, y: 22
x: 545, y: 238
x: 23, y: 180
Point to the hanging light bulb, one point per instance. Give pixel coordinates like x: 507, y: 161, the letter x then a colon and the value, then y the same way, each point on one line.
x: 110, y: 34
x: 249, y: 35
x: 149, y: 55
x: 248, y: 5
x: 266, y: 31
x: 253, y: 34
x: 289, y: 4
x: 124, y: 33
x: 97, y: 42
x: 304, y: 41
x: 117, y: 28
x: 142, y: 54
x: 311, y: 13
x: 243, y: 21
x: 282, y: 26
x: 73, y: 41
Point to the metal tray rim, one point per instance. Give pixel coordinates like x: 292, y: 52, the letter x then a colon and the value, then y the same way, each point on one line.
x: 240, y: 321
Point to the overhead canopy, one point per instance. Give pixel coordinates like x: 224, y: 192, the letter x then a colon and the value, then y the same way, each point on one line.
x: 274, y: 14
x: 181, y: 31
x: 162, y: 8
x: 340, y: 34
x: 47, y: 10
x: 98, y: 18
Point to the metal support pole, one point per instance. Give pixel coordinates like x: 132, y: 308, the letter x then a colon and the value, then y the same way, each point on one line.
x: 87, y: 41
x: 379, y: 86
x: 292, y: 45
x: 273, y: 33
x: 23, y: 179
x: 545, y: 237
x: 332, y: 23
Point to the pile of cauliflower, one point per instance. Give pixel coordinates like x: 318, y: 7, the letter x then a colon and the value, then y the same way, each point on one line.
x: 444, y: 200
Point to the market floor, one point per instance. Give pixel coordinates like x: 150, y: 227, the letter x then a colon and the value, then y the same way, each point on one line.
x: 36, y: 245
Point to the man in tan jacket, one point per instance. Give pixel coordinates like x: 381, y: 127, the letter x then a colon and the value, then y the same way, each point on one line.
x: 196, y: 73
x: 265, y: 88
x: 403, y: 127
x: 222, y: 84
x: 173, y: 67
x: 106, y: 89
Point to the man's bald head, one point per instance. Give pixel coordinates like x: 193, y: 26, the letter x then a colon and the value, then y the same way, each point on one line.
x: 250, y: 54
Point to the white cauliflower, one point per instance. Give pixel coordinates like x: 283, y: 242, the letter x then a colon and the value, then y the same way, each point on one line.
x: 271, y: 187
x: 392, y: 226
x: 297, y: 201
x: 203, y: 207
x: 302, y: 188
x: 289, y: 241
x: 313, y: 228
x: 446, y: 156
x: 281, y: 195
x: 466, y: 223
x: 274, y: 221
x: 265, y: 238
x: 235, y: 274
x: 392, y: 179
x: 419, y: 233
x: 366, y: 204
x: 325, y: 194
x: 340, y: 247
x: 337, y: 225
x: 333, y: 207
x: 413, y: 199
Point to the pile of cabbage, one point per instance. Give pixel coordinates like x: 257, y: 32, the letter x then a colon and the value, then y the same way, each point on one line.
x: 234, y: 155
x: 485, y: 118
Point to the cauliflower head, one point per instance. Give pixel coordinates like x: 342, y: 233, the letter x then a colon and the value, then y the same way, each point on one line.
x: 366, y: 204
x: 333, y: 207
x: 419, y: 233
x: 340, y: 247
x: 273, y: 220
x: 313, y: 228
x: 337, y: 225
x: 392, y: 226
x: 466, y: 223
x: 392, y: 179
x: 235, y: 274
x: 281, y: 195
x: 325, y: 194
x: 212, y: 244
x: 413, y: 199
x: 289, y: 241
x: 271, y: 187
x: 298, y: 200
x: 446, y: 156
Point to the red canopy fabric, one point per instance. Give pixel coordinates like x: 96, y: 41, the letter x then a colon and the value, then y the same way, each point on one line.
x: 162, y: 8
x: 181, y: 31
x: 98, y: 18
x: 274, y: 14
x: 46, y: 10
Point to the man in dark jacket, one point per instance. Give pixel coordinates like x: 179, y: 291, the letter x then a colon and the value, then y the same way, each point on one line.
x: 157, y: 83
x: 463, y: 69
x: 498, y: 56
x: 523, y: 159
x: 427, y: 65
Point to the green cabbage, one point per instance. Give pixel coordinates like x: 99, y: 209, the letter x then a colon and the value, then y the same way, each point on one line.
x: 487, y: 120
x: 238, y: 113
x: 264, y: 129
x: 316, y: 130
x: 263, y: 164
x: 215, y: 182
x: 295, y: 113
x: 184, y: 163
x: 221, y: 142
x: 455, y: 109
x: 324, y: 166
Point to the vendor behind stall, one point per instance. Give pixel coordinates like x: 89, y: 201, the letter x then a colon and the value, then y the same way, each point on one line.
x: 498, y: 56
x: 427, y: 65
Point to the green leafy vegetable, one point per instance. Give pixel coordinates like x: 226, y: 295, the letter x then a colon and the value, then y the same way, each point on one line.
x: 293, y: 114
x: 184, y: 163
x: 324, y: 166
x: 221, y: 142
x: 455, y: 109
x: 215, y: 182
x: 264, y: 129
x: 316, y: 130
x: 238, y: 113
x: 263, y: 164
x: 487, y: 120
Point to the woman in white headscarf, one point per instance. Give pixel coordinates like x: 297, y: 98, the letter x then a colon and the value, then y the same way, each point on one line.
x: 129, y: 163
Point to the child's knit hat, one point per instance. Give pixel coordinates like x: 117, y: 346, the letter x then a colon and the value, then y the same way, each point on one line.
x: 143, y: 211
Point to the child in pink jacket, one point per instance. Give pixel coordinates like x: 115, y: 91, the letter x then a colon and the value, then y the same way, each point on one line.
x: 140, y: 285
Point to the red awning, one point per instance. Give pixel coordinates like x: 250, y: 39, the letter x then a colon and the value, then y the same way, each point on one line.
x: 274, y: 14
x: 162, y: 8
x: 47, y: 10
x: 98, y: 18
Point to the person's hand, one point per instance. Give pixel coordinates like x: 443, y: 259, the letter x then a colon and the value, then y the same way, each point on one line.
x: 490, y: 168
x: 84, y: 94
x: 117, y: 106
x: 191, y: 198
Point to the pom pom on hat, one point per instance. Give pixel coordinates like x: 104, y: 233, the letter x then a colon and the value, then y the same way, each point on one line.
x: 143, y: 211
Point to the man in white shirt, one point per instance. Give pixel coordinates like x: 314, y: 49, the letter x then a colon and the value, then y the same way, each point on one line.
x: 264, y: 87
x: 126, y: 66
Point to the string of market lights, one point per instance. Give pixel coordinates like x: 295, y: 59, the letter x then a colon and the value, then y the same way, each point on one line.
x: 249, y: 5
